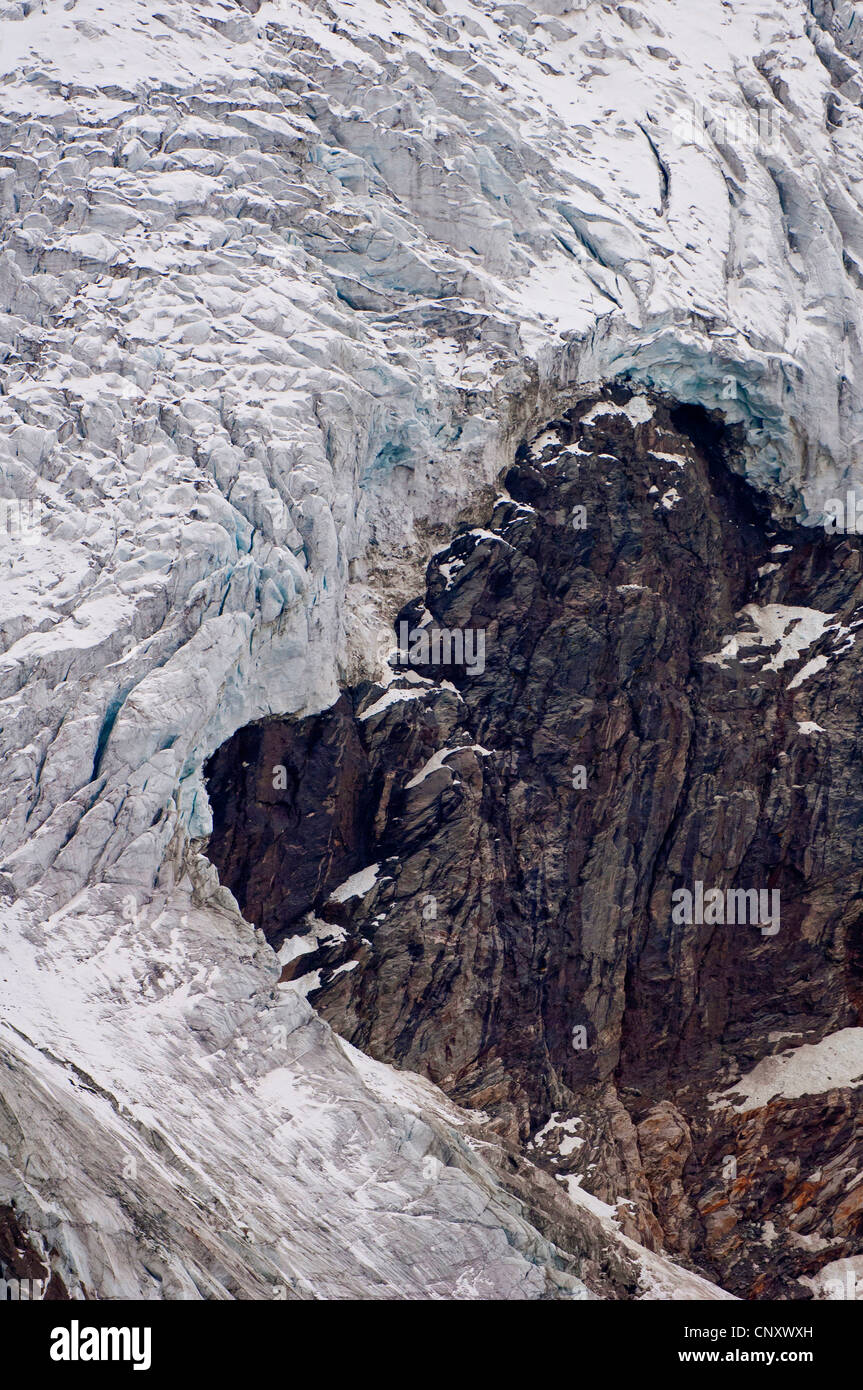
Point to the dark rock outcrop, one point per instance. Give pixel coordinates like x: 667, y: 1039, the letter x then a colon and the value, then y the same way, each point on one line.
x: 632, y: 732
x: 25, y: 1273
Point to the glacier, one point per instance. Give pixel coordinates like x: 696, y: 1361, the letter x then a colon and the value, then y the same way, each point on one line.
x: 281, y: 287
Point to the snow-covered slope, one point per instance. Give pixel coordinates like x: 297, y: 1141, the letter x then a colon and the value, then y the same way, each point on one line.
x: 175, y: 1125
x: 279, y: 291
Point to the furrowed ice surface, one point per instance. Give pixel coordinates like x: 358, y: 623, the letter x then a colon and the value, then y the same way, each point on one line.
x: 279, y: 292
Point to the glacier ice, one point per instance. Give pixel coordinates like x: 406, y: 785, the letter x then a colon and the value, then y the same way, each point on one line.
x: 280, y: 290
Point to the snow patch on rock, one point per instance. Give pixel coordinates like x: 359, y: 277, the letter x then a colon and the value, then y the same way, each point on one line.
x: 836, y: 1060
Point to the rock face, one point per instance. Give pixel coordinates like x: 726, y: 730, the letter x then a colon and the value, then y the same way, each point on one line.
x: 481, y: 870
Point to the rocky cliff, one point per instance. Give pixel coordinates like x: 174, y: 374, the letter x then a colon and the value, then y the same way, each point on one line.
x: 475, y: 870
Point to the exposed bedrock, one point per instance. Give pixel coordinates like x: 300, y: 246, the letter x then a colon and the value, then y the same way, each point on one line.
x: 474, y: 866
